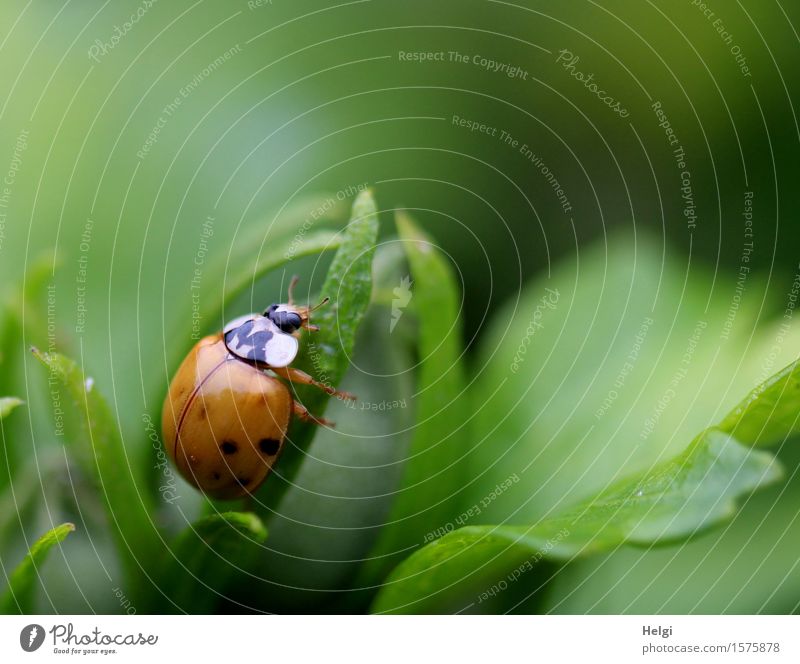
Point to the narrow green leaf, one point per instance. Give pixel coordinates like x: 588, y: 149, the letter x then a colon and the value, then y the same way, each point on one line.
x: 432, y: 476
x: 349, y: 285
x: 672, y: 501
x: 18, y: 499
x: 326, y: 354
x: 206, y: 555
x: 97, y: 444
x: 300, y: 229
x: 32, y: 295
x: 18, y: 597
x: 770, y: 413
x: 7, y: 404
x: 277, y: 255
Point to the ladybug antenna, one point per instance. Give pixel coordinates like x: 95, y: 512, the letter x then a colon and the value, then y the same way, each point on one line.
x: 309, y: 326
x: 323, y: 302
x: 292, y: 284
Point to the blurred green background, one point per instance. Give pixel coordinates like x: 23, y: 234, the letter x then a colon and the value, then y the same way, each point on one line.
x: 118, y: 143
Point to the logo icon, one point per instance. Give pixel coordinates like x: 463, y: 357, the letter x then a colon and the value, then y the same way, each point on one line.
x: 402, y: 296
x: 31, y: 637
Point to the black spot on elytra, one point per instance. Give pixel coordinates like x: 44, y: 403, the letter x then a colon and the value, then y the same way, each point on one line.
x: 244, y: 481
x: 201, y: 413
x: 229, y: 447
x: 269, y: 446
x: 216, y: 476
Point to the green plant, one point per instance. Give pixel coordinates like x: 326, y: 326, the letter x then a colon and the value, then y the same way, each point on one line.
x: 520, y: 461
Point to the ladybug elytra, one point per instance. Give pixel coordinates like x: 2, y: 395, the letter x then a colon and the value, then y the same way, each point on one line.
x: 226, y: 413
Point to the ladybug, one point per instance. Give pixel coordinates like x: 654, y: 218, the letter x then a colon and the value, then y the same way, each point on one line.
x: 226, y: 413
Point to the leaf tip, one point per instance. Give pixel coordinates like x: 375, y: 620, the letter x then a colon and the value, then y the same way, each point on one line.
x: 364, y: 205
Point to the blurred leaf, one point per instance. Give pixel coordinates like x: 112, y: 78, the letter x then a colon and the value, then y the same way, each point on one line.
x: 7, y: 404
x: 10, y: 335
x: 18, y: 598
x: 672, y: 501
x: 206, y: 555
x: 95, y: 438
x: 610, y: 364
x: 26, y: 300
x: 326, y: 354
x: 426, y: 497
x: 17, y: 499
x: 770, y: 413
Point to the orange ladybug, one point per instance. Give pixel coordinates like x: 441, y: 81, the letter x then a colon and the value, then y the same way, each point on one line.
x: 226, y: 413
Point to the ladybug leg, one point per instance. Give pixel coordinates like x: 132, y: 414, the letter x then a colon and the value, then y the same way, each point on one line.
x: 302, y: 412
x: 297, y: 376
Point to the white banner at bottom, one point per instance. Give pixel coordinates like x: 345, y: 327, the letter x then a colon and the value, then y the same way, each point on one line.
x: 355, y: 639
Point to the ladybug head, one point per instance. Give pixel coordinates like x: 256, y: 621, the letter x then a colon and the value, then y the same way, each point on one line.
x: 290, y: 317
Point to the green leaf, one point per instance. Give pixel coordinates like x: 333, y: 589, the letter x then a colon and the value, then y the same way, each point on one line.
x: 7, y: 404
x: 345, y: 487
x: 672, y: 501
x: 326, y: 354
x: 18, y: 499
x: 432, y: 476
x: 206, y: 555
x: 300, y: 229
x: 275, y: 256
x: 18, y: 597
x: 22, y: 301
x: 770, y: 413
x: 747, y: 567
x: 96, y: 442
x: 609, y: 364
